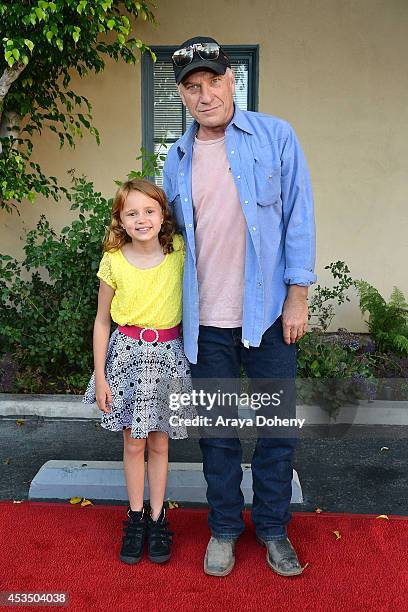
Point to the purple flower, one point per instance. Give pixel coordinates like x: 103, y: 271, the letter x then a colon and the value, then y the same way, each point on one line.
x: 369, y: 347
x: 367, y: 386
x: 348, y: 340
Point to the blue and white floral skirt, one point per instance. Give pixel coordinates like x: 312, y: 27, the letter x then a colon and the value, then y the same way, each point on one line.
x: 141, y: 377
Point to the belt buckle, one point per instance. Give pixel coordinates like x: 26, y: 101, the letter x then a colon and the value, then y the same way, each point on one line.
x: 149, y: 329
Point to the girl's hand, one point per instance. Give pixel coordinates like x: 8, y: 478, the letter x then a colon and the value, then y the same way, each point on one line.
x: 103, y: 395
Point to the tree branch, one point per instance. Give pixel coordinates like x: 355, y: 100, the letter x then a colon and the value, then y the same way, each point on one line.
x: 6, y: 80
x: 10, y: 125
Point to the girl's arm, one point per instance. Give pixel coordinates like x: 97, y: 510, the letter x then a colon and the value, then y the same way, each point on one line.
x: 100, y: 345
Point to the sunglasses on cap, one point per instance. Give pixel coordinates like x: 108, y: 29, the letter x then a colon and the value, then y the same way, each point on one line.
x: 206, y: 50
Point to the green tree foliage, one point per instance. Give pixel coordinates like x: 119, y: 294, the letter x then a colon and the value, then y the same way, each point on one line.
x: 43, y: 45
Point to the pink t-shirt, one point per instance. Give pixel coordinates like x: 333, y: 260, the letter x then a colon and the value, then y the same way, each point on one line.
x: 220, y: 230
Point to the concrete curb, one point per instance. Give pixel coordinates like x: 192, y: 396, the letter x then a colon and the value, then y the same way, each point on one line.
x: 377, y: 412
x: 54, y: 406
x: 104, y: 480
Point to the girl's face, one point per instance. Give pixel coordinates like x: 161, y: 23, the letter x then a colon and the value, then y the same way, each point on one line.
x: 141, y: 217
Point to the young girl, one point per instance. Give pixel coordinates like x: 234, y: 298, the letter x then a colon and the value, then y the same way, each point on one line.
x: 143, y: 361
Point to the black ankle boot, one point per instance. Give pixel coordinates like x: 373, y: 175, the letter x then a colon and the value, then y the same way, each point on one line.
x: 134, y: 536
x: 159, y: 538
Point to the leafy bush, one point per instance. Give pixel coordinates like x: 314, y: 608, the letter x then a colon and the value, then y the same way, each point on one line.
x: 387, y: 322
x: 333, y: 370
x: 321, y: 308
x: 47, y: 316
x: 8, y: 371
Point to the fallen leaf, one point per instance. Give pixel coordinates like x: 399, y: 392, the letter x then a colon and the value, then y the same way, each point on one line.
x: 86, y: 502
x: 172, y: 504
x: 7, y: 461
x: 318, y: 510
x: 75, y: 500
x: 20, y: 422
x: 383, y: 448
x: 337, y: 534
x: 97, y: 425
x: 384, y: 516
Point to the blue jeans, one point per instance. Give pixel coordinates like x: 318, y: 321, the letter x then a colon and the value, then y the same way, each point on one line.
x: 220, y: 355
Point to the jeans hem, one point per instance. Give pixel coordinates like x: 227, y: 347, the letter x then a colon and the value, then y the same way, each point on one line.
x: 272, y: 538
x: 226, y: 536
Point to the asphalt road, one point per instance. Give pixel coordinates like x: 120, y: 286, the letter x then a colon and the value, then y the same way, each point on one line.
x: 359, y: 470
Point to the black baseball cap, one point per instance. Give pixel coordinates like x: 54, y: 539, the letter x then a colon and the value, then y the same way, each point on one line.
x: 218, y: 65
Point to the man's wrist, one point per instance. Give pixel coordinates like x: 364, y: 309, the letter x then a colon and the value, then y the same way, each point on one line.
x: 297, y: 293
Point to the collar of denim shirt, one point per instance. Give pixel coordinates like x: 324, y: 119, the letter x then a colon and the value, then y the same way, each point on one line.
x: 239, y: 119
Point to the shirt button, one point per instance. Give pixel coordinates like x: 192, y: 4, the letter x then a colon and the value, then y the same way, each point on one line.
x: 232, y: 152
x: 181, y: 173
x: 254, y: 228
x: 238, y: 177
x: 259, y: 284
x: 190, y: 225
x: 246, y: 202
x: 186, y: 199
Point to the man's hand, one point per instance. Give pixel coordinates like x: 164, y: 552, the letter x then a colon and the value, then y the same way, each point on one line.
x: 295, y: 314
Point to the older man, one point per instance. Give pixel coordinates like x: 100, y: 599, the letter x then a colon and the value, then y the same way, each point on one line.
x: 239, y: 187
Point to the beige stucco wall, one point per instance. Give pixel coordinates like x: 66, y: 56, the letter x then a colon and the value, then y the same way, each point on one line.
x: 335, y: 69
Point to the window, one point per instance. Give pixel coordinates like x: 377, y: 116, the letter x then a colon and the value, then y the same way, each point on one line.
x: 165, y: 118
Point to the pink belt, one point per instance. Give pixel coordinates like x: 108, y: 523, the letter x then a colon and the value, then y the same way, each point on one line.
x: 150, y: 334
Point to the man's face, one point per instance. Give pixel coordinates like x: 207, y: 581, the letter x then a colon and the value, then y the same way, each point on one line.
x: 209, y: 97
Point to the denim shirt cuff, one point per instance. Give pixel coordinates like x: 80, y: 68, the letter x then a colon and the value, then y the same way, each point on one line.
x: 299, y: 276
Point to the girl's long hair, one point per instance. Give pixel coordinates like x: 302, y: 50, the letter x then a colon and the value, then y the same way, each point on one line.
x: 116, y: 235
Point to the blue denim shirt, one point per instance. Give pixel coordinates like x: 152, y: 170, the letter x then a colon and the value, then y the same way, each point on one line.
x: 275, y: 193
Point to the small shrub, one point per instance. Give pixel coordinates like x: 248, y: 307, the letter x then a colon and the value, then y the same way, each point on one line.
x: 332, y: 370
x: 48, y: 301
x: 387, y: 322
x: 46, y: 320
x: 321, y: 308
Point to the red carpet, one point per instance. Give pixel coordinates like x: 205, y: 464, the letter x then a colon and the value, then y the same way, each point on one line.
x: 63, y: 548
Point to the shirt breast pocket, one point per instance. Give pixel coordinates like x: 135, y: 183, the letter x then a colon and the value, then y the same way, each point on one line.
x: 267, y: 183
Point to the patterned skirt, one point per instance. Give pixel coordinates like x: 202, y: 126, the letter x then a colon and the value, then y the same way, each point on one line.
x: 142, y: 376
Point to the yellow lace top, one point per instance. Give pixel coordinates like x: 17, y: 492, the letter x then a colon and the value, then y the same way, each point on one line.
x: 148, y: 297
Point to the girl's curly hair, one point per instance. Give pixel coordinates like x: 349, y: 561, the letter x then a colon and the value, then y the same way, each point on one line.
x: 116, y: 235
